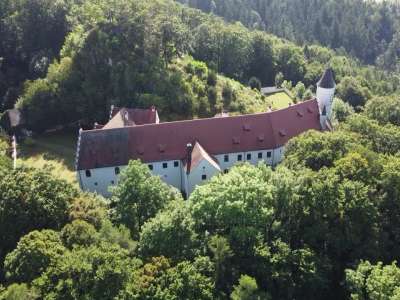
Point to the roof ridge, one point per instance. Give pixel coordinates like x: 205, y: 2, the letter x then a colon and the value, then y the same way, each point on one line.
x: 213, y: 118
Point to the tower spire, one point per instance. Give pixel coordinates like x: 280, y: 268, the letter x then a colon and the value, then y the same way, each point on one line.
x: 327, y: 80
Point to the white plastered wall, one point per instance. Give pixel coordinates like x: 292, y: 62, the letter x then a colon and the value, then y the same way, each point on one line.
x: 204, y: 167
x: 100, y: 180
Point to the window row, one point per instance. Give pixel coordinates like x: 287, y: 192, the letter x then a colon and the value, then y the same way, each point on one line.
x: 165, y: 165
x: 88, y: 173
x: 248, y: 156
x: 176, y: 163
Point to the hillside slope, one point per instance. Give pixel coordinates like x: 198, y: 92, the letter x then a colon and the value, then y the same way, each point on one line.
x: 368, y: 30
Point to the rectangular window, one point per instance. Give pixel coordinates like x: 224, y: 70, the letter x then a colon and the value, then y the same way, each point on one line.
x: 259, y: 155
x: 226, y: 158
x: 116, y: 170
x: 88, y: 173
x: 269, y: 154
x: 203, y: 177
x: 165, y: 165
x: 248, y: 157
x: 151, y: 167
x: 176, y: 164
x: 239, y: 158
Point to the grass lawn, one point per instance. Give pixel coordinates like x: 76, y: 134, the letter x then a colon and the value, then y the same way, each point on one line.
x: 52, y: 150
x: 279, y: 100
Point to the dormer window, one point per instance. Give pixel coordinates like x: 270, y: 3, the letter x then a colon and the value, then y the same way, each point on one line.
x: 161, y: 147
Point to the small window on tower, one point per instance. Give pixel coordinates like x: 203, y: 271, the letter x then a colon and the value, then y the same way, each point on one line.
x: 239, y: 158
x: 88, y: 173
x: 116, y: 170
x: 203, y: 177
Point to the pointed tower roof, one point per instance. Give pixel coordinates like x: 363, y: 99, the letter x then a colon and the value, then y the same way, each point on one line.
x: 327, y: 80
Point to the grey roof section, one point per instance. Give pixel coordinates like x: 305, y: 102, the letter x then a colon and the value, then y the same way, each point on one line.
x: 327, y: 80
x: 271, y: 90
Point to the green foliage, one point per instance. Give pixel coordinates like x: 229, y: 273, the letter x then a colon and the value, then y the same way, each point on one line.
x: 17, y: 291
x: 255, y: 83
x: 341, y: 110
x: 373, y: 281
x: 384, y: 109
x: 89, y: 208
x: 350, y: 90
x: 221, y: 252
x: 36, y: 200
x: 95, y: 272
x: 247, y: 290
x: 383, y: 139
x: 356, y: 27
x: 158, y: 280
x: 170, y: 233
x: 139, y: 196
x: 316, y: 150
x: 390, y: 208
x: 119, y: 235
x: 78, y: 233
x: 34, y: 253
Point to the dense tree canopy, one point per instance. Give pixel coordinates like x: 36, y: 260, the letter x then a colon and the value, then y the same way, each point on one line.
x: 139, y: 196
x: 365, y: 29
x: 322, y: 225
x: 136, y: 54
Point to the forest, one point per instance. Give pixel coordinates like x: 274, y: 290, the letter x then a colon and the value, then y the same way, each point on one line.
x: 323, y: 224
x: 365, y: 29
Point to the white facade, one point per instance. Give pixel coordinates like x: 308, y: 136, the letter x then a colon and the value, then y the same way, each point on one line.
x: 99, y: 180
x: 173, y: 172
x: 325, y: 99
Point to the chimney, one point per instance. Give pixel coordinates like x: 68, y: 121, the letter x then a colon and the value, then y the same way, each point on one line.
x: 126, y: 116
x: 189, y: 149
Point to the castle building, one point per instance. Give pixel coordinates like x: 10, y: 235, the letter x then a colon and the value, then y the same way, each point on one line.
x: 188, y: 153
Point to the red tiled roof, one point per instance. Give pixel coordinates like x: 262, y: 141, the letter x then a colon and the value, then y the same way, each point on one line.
x: 121, y: 117
x: 167, y: 141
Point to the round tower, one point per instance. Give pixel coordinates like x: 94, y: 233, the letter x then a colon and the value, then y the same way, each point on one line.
x: 325, y: 91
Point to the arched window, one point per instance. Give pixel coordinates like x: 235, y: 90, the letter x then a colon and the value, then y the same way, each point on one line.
x: 88, y: 173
